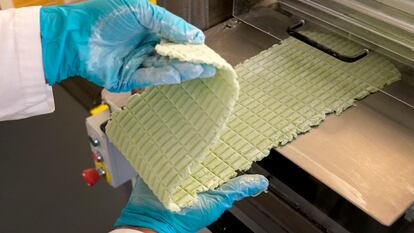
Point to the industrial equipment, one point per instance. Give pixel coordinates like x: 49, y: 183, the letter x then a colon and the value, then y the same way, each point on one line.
x: 109, y: 162
x: 353, y: 173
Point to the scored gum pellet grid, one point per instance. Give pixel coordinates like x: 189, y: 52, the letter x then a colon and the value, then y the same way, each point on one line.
x: 283, y: 92
x: 167, y: 130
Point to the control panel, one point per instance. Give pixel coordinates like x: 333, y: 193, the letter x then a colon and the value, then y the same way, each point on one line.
x: 110, y: 164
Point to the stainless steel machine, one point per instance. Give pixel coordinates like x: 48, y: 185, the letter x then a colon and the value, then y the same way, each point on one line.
x: 353, y: 173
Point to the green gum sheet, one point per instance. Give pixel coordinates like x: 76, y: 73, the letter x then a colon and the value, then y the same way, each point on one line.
x: 188, y: 138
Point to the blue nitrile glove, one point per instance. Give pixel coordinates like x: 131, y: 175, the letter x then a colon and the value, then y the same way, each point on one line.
x: 144, y: 209
x: 111, y: 43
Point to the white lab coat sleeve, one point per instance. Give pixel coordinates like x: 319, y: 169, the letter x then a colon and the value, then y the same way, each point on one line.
x: 125, y: 231
x: 23, y: 88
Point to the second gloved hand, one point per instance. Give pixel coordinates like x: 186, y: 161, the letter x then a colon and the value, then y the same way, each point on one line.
x: 144, y: 209
x: 111, y: 43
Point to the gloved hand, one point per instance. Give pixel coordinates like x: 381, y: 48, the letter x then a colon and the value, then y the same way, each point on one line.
x: 144, y: 209
x: 111, y: 43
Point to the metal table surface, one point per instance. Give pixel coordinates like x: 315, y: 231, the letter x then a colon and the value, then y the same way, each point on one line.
x: 366, y: 154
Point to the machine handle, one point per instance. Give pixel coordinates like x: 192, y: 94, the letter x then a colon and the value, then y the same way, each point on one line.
x: 291, y: 31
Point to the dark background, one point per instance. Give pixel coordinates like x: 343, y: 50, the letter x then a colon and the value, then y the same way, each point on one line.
x: 41, y: 187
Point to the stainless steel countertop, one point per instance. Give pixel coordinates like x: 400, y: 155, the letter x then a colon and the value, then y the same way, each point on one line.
x: 366, y: 154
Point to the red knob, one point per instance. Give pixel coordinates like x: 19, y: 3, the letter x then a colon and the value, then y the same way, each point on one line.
x: 90, y: 176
